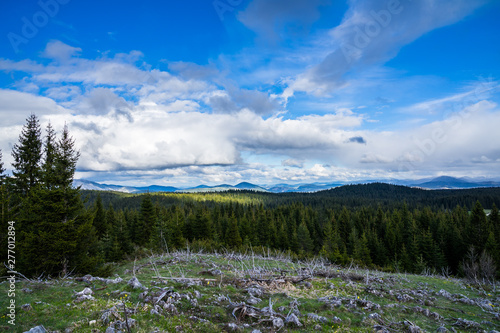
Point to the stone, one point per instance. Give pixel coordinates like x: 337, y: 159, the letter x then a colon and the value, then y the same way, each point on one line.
x: 278, y: 323
x: 134, y: 283
x: 293, y: 319
x: 253, y: 300
x: 26, y: 307
x: 37, y: 329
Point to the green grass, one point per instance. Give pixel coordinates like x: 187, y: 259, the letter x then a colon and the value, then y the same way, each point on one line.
x: 368, y: 298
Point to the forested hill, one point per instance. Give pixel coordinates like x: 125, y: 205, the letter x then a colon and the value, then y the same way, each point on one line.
x: 352, y: 196
x: 387, y: 194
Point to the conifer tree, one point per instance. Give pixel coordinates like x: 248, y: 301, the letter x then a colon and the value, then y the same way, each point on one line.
x: 233, y: 238
x: 2, y: 169
x: 478, y: 230
x: 27, y: 154
x: 100, y: 223
x: 304, y: 238
x: 361, y: 250
x: 49, y: 173
x: 494, y: 221
x: 147, y: 220
x: 177, y: 225
x: 4, y: 195
x: 3, y: 212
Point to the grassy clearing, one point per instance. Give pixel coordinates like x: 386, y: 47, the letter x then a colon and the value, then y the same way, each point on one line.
x: 198, y: 292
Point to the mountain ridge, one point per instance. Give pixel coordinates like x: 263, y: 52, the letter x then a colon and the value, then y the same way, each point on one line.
x: 441, y: 182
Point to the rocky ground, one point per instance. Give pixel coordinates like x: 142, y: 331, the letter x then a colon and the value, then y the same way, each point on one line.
x: 198, y: 292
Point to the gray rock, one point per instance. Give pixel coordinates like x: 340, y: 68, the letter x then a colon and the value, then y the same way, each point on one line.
x: 315, y: 317
x: 134, y: 283
x: 255, y: 292
x: 253, y: 300
x: 278, y: 323
x: 222, y: 298
x: 26, y: 307
x: 86, y: 291
x: 232, y: 327
x: 293, y: 319
x: 38, y: 329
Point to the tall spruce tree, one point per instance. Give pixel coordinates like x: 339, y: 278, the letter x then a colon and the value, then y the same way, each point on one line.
x: 2, y: 169
x: 478, y: 232
x: 3, y: 194
x: 49, y: 174
x: 100, y: 218
x: 147, y: 220
x: 233, y: 238
x: 27, y: 156
x: 3, y: 213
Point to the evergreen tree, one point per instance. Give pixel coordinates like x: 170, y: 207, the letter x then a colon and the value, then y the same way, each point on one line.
x: 100, y: 223
x: 27, y: 154
x: 304, y: 238
x: 4, y: 196
x: 492, y: 248
x: 147, y: 220
x: 2, y: 169
x: 177, y: 225
x: 49, y: 173
x: 3, y: 212
x: 494, y: 220
x: 233, y: 238
x: 478, y: 230
x: 361, y: 251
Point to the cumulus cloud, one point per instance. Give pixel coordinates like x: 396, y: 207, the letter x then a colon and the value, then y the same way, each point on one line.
x: 16, y: 106
x: 292, y: 163
x: 60, y: 51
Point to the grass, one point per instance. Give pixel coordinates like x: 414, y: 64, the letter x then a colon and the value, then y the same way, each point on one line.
x: 207, y: 289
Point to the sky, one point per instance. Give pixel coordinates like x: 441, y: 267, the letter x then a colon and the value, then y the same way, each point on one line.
x: 194, y: 92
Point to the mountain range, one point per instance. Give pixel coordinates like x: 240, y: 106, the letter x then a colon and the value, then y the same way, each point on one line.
x: 443, y: 182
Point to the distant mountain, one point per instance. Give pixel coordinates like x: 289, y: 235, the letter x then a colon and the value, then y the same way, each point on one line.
x: 157, y: 188
x: 250, y: 186
x: 446, y: 182
x: 90, y: 185
x: 225, y: 187
x: 443, y: 182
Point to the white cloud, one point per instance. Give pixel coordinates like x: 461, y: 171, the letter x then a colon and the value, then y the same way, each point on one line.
x: 293, y: 163
x: 16, y: 107
x: 59, y: 51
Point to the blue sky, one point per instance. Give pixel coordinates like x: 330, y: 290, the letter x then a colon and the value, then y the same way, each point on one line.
x: 267, y: 91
